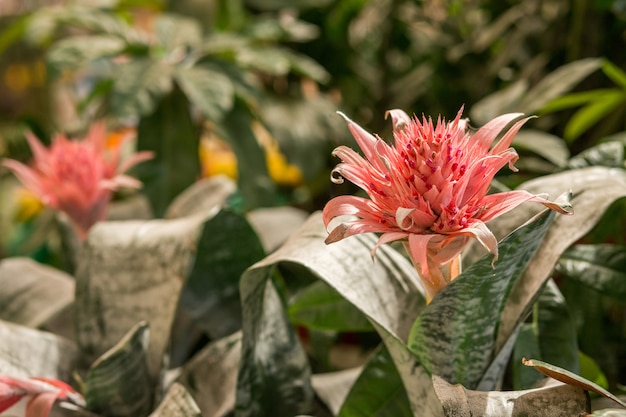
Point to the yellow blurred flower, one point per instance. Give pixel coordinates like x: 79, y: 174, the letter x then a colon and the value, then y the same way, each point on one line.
x: 28, y: 205
x: 218, y: 158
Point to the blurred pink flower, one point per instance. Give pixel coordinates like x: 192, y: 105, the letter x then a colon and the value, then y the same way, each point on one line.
x: 43, y: 392
x: 77, y: 177
x: 428, y: 190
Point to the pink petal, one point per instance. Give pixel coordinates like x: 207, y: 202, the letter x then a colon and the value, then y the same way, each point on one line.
x: 481, y: 232
x: 506, y: 140
x: 366, y: 141
x: 97, y: 135
x: 135, y: 159
x: 30, y: 178
x: 399, y: 119
x: 500, y: 203
x: 120, y: 181
x: 40, y: 152
x: 41, y: 404
x: 347, y: 205
x: 6, y: 403
x: 485, y: 136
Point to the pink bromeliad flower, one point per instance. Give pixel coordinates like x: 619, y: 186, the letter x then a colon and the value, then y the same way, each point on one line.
x: 77, y: 177
x: 43, y: 393
x: 428, y: 190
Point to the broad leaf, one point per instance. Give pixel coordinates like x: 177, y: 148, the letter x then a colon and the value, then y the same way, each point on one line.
x: 119, y: 383
x: 558, y: 82
x: 139, y: 86
x: 226, y: 247
x: 608, y: 154
x: 498, y: 103
x: 441, y: 338
x: 211, y: 376
x: 274, y: 375
x: 171, y: 134
x: 32, y: 293
x: 128, y: 272
x: 543, y: 144
x: 557, y: 333
x: 209, y: 90
x: 594, y: 190
x: 203, y: 196
x: 77, y: 52
x: 319, y: 306
x: 570, y: 378
x: 526, y: 344
x: 614, y: 73
x: 273, y: 225
x: 177, y: 403
x: 592, y: 113
x: 601, y: 267
x: 378, y: 392
x: 26, y: 352
x: 177, y: 34
x: 332, y: 388
x: 549, y: 401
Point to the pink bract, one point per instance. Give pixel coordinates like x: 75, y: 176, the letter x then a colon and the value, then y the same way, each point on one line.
x: 428, y: 190
x: 43, y: 392
x: 77, y: 177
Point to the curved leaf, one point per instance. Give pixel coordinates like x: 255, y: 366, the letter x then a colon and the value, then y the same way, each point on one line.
x: 378, y: 391
x: 26, y: 352
x: 320, y: 307
x: 570, y: 378
x: 128, y: 272
x: 592, y: 113
x: 77, y: 52
x: 32, y: 293
x: 548, y: 146
x: 177, y: 403
x: 601, y: 267
x: 594, y: 190
x: 118, y: 383
x: 608, y: 154
x: 441, y: 338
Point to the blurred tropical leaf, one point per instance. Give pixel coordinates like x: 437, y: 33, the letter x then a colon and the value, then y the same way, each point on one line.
x: 590, y: 370
x: 25, y: 352
x: 608, y: 154
x: 208, y: 89
x: 549, y: 147
x: 140, y: 88
x: 74, y: 53
x: 600, y: 267
x: 526, y: 344
x: 33, y: 293
x: 597, y: 109
x: 119, y: 383
x: 440, y: 337
x: 171, y: 134
x: 378, y: 391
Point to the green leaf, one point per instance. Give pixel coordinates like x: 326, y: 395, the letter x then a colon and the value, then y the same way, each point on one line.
x: 526, y: 345
x: 614, y: 73
x: 590, y: 370
x: 608, y: 154
x: 574, y: 100
x: 319, y: 306
x: 13, y: 32
x: 558, y: 82
x: 140, y: 86
x: 267, y: 59
x: 498, y: 102
x: 592, y: 113
x: 119, y: 382
x: 32, y: 293
x: 378, y: 392
x: 274, y: 375
x: 254, y: 182
x: 386, y: 290
x: 557, y: 333
x: 209, y: 90
x: 178, y: 402
x: 601, y: 267
x: 170, y: 133
x: 548, y: 146
x: 443, y: 342
x: 177, y: 34
x: 571, y: 378
x: 281, y: 4
x: 77, y: 52
x: 227, y: 246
